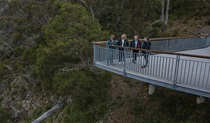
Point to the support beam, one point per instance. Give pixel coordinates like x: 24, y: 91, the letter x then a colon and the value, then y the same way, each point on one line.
x: 151, y: 89
x: 200, y: 100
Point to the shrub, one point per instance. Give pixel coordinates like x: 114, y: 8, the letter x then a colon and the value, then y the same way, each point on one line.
x: 136, y: 107
x: 5, y: 117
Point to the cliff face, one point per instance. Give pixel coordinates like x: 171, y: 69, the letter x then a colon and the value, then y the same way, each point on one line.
x: 25, y: 105
x: 22, y: 102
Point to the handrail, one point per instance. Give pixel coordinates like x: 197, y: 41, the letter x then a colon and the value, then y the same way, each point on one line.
x: 156, y: 51
x: 160, y: 39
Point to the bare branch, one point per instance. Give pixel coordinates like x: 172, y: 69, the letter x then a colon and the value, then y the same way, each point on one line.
x: 90, y: 8
x: 162, y: 11
x: 5, y: 43
x: 47, y: 114
x: 167, y: 11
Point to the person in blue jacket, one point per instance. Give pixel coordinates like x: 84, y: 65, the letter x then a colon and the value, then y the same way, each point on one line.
x: 123, y: 42
x: 135, y: 44
x: 111, y: 49
x: 146, y: 45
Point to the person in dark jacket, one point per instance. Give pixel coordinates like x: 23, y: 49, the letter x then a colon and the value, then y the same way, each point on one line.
x: 123, y: 42
x: 135, y: 44
x: 146, y: 45
x: 111, y: 49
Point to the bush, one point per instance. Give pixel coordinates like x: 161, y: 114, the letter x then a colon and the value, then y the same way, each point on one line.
x: 176, y: 107
x: 208, y: 21
x: 5, y: 117
x: 136, y: 107
x: 67, y: 43
x: 155, y: 29
x: 88, y: 92
x: 198, y: 117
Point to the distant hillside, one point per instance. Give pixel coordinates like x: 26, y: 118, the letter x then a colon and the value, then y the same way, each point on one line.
x: 193, y: 27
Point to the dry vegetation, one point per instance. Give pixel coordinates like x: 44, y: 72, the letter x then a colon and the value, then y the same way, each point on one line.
x: 190, y: 27
x: 130, y: 103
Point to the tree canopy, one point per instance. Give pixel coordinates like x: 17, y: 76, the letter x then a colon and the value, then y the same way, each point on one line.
x: 67, y: 44
x: 64, y: 62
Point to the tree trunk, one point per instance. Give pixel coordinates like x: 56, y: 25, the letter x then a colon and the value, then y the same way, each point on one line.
x: 51, y: 111
x: 90, y: 8
x: 167, y: 11
x: 162, y: 12
x: 47, y: 114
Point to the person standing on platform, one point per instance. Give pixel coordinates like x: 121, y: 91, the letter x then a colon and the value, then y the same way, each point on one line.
x: 146, y: 45
x: 111, y: 49
x: 135, y: 44
x: 123, y: 42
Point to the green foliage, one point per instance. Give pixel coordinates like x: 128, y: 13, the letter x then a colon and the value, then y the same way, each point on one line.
x: 176, y: 107
x: 88, y: 92
x: 68, y: 83
x: 155, y: 29
x: 75, y: 23
x: 136, y: 107
x: 127, y: 16
x: 25, y: 22
x: 89, y: 95
x: 68, y: 38
x: 5, y: 116
x: 198, y: 117
x: 64, y: 61
x: 208, y: 21
x: 189, y: 8
x: 173, y: 107
x: 36, y: 112
x: 21, y: 24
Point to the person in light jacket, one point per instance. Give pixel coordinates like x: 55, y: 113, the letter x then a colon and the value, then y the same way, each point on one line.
x: 111, y: 49
x: 123, y: 42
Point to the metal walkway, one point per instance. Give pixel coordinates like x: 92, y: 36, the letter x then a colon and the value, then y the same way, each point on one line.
x: 184, y: 71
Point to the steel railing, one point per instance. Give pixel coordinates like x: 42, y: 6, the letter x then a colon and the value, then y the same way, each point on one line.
x: 177, y: 43
x: 179, y: 69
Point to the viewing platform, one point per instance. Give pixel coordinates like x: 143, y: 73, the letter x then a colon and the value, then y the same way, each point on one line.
x: 181, y: 64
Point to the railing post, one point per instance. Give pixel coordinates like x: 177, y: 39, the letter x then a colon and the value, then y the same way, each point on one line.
x: 107, y: 55
x: 124, y: 68
x: 94, y: 54
x: 166, y: 45
x: 207, y: 41
x: 176, y: 69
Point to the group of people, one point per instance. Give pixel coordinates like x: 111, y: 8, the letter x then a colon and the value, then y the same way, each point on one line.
x: 135, y: 43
